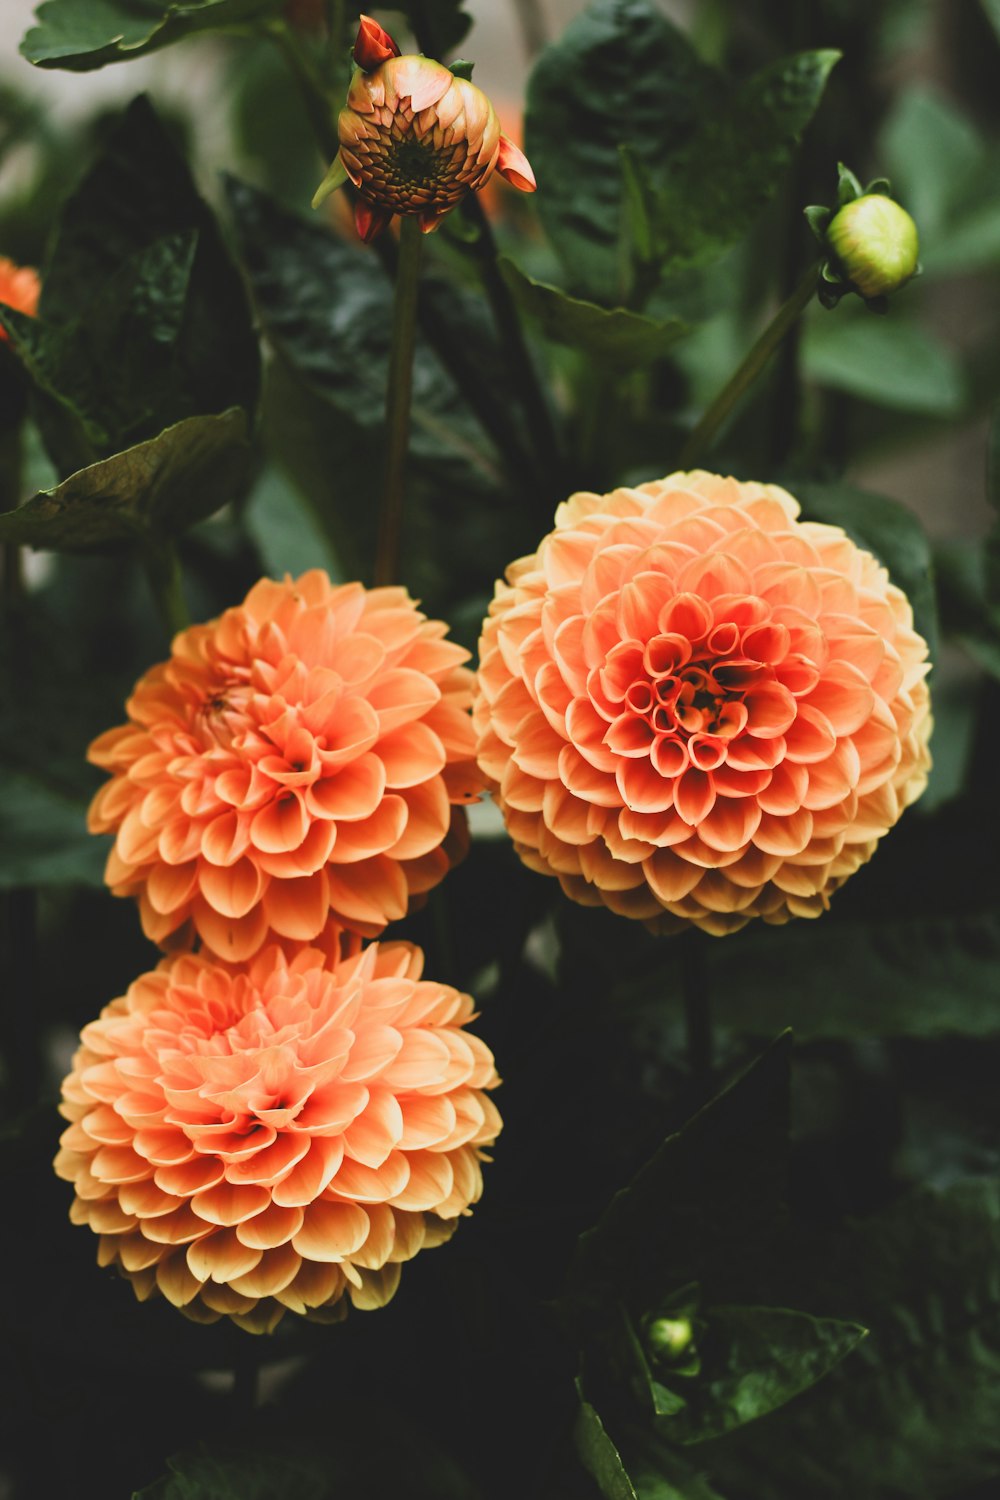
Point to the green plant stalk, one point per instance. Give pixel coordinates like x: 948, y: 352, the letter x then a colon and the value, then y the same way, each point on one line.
x: 399, y: 390
x: 788, y: 314
x: 315, y: 96
x: 163, y: 571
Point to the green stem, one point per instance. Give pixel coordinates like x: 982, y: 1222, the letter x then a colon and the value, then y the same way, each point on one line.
x: 163, y: 570
x: 697, y: 1013
x: 397, y: 399
x: 738, y: 384
x: 527, y: 385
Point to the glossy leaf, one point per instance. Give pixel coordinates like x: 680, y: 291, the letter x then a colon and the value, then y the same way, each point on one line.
x: 599, y: 1455
x: 708, y: 155
x: 913, y: 1412
x: 81, y: 37
x: 754, y: 1359
x: 163, y: 485
x: 613, y: 336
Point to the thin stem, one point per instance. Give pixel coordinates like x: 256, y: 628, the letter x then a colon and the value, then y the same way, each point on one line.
x: 534, y: 404
x: 534, y: 27
x: 697, y: 1012
x: 163, y: 570
x: 397, y: 399
x: 738, y: 384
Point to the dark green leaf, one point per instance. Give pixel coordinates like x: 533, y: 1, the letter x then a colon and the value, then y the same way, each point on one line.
x: 326, y: 306
x: 163, y: 485
x: 44, y: 837
x: 622, y: 76
x: 143, y: 318
x: 88, y: 35
x: 886, y: 361
x: 700, y: 1200
x: 890, y: 531
x: 913, y: 1412
x: 754, y: 1359
x: 438, y: 25
x: 970, y: 604
x: 613, y: 336
x: 599, y: 1455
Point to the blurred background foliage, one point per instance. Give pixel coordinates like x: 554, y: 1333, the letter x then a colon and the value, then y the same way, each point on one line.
x: 208, y: 368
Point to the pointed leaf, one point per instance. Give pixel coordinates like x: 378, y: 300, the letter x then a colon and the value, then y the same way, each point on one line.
x: 81, y: 37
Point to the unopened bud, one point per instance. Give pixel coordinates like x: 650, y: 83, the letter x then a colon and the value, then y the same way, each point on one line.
x: 875, y: 242
x: 669, y: 1337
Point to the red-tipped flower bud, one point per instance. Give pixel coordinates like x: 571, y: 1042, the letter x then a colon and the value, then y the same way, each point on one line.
x: 373, y: 45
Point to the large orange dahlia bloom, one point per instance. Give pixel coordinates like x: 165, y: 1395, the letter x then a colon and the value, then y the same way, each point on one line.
x: 250, y: 1138
x: 696, y: 707
x: 297, y: 757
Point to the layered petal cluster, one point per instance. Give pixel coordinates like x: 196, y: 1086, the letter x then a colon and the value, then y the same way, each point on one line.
x: 697, y: 708
x: 414, y: 139
x: 277, y: 1135
x: 299, y: 756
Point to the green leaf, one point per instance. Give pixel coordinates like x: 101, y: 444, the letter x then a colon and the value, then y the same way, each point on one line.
x: 326, y: 306
x: 754, y: 1359
x: 970, y: 603
x: 143, y: 320
x: 886, y: 361
x: 438, y: 25
x: 44, y: 837
x: 725, y: 176
x: 599, y: 1455
x: 613, y: 336
x: 163, y: 485
x: 708, y: 1193
x: 889, y: 531
x: 707, y: 155
x: 914, y: 1410
x: 948, y: 178
x: 79, y: 36
x: 992, y: 9
x: 215, y: 1474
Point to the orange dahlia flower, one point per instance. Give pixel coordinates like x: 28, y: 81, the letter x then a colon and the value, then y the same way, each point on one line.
x: 297, y: 757
x: 414, y: 138
x: 251, y: 1138
x: 697, y: 708
x: 20, y: 288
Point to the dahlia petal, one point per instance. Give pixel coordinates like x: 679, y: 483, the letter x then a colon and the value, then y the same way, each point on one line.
x: 376, y: 834
x: 811, y: 737
x: 176, y: 1281
x: 730, y: 824
x: 694, y: 795
x: 376, y: 1131
x: 279, y: 827
x: 219, y: 1256
x: 298, y: 908
x: 233, y: 890
x: 373, y: 893
x: 671, y: 877
x: 273, y: 1227
x: 642, y: 787
x: 312, y: 1175
x: 428, y: 817
x: 514, y: 166
x: 784, y: 835
x: 538, y: 746
x: 377, y: 1288
x: 170, y: 887
x: 277, y: 1267
x: 844, y: 696
x: 430, y: 1181
x: 372, y: 1184
x: 227, y: 1205
x: 786, y: 787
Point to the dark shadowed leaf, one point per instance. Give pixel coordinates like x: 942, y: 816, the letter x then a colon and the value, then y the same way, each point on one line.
x: 913, y: 1412
x: 44, y: 838
x: 970, y: 606
x: 438, y: 25
x: 700, y: 1200
x: 163, y: 485
x: 754, y: 1359
x: 599, y: 1455
x: 69, y: 34
x: 613, y: 336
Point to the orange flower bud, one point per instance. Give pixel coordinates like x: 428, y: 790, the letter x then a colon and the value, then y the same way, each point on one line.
x: 414, y: 138
x: 19, y: 288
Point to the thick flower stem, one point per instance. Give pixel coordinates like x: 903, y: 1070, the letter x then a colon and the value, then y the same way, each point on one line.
x: 788, y: 314
x: 163, y: 570
x: 697, y: 1015
x: 397, y: 399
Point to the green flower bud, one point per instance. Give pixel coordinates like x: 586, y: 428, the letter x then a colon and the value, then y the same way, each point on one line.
x: 875, y: 242
x: 666, y: 1338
